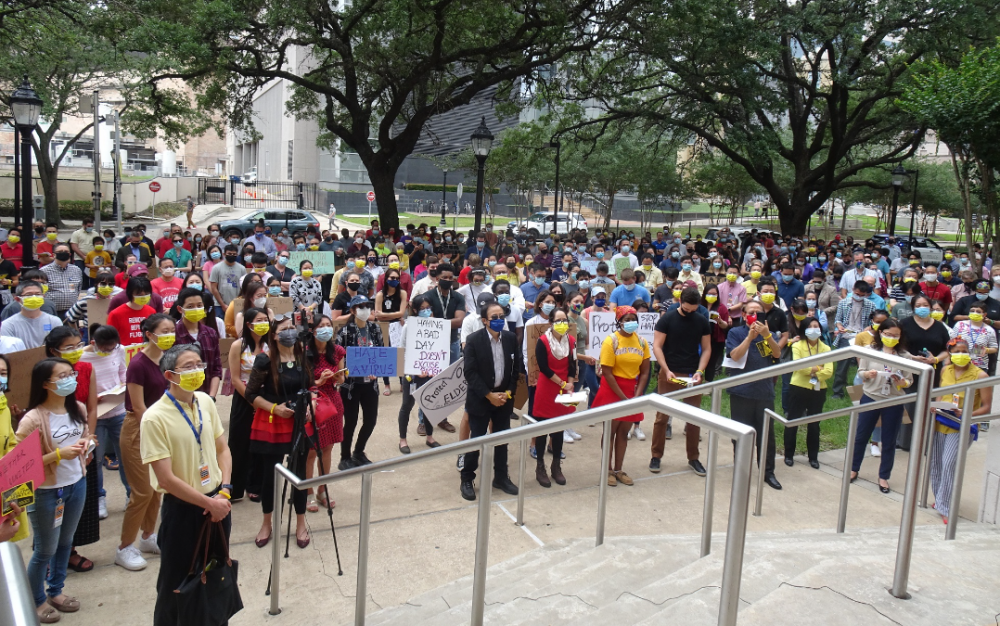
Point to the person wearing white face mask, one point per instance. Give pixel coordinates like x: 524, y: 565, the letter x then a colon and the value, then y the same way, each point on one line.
x: 168, y: 284
x: 807, y: 392
x: 625, y: 252
x: 282, y: 272
x: 359, y: 394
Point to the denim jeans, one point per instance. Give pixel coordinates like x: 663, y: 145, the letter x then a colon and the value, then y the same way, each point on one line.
x: 108, y: 433
x: 588, y: 377
x: 52, y: 546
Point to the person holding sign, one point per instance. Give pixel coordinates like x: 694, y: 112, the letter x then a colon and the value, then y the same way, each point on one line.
x: 359, y: 393
x: 555, y: 353
x: 17, y: 524
x: 306, y: 292
x: 420, y: 306
x: 65, y: 439
x: 625, y: 367
x: 390, y: 303
x: 494, y: 365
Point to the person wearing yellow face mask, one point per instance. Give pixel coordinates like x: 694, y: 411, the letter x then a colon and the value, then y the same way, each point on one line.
x: 97, y: 258
x: 251, y: 343
x: 194, y: 470
x: 751, y: 285
x: 45, y: 248
x: 30, y: 324
x: 974, y: 331
x: 405, y: 280
x: 127, y: 318
x: 306, y: 292
x: 191, y: 328
x: 733, y: 294
x: 13, y: 250
x: 15, y: 524
x: 555, y: 353
x: 946, y: 437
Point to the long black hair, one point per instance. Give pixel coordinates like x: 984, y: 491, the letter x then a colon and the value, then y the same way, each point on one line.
x: 40, y: 374
x: 58, y: 335
x: 329, y: 354
x: 249, y: 337
x: 887, y: 324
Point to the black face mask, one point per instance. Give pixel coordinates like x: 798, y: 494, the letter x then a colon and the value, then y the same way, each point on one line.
x: 230, y: 258
x: 39, y: 229
x: 62, y: 256
x: 446, y: 285
x: 353, y: 286
x: 288, y: 337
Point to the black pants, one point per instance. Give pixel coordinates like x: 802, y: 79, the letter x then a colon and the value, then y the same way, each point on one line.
x: 751, y: 412
x: 266, y: 463
x: 557, y: 444
x: 180, y: 524
x: 246, y: 475
x: 362, y: 398
x: 714, y: 361
x: 479, y: 424
x: 408, y: 401
x: 802, y: 402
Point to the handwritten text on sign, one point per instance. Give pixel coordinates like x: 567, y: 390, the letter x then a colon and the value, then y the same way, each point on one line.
x: 647, y: 324
x: 23, y: 463
x: 371, y: 361
x: 428, y: 346
x: 601, y: 326
x: 445, y: 393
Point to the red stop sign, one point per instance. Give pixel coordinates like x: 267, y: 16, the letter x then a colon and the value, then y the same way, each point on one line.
x: 371, y: 196
x: 154, y: 186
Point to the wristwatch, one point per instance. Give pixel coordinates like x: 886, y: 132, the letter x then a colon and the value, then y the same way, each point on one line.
x: 226, y: 486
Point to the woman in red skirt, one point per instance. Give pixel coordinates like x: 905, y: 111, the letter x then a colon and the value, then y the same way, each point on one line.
x: 555, y: 353
x: 624, y: 374
x: 326, y: 358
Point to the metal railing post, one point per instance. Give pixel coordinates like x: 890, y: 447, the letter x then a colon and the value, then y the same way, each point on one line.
x: 520, y: 482
x: 925, y: 472
x: 279, y: 482
x: 17, y: 607
x: 708, y: 509
x: 963, y: 448
x: 602, y: 481
x: 736, y: 533
x: 845, y: 481
x: 482, y: 535
x: 904, y: 549
x: 364, y: 527
x: 765, y: 435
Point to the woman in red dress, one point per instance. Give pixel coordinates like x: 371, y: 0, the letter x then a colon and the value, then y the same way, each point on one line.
x: 555, y: 353
x: 327, y: 358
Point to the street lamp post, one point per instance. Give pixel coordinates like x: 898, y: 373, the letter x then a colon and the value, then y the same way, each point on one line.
x: 482, y: 143
x: 555, y: 219
x: 27, y: 108
x: 913, y: 207
x: 444, y: 198
x: 899, y: 176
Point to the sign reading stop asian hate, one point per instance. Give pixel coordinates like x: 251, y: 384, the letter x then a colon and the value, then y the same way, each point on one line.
x: 428, y: 346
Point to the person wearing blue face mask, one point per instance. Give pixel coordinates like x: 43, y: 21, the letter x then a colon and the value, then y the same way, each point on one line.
x: 420, y: 307
x: 479, y: 247
x: 282, y: 272
x: 852, y: 317
x: 628, y: 292
x: 625, y: 252
x: 790, y: 288
x: 807, y: 390
x: 260, y: 242
x: 690, y: 272
x: 671, y: 259
x: 535, y: 285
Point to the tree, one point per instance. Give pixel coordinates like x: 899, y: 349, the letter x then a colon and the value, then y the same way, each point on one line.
x: 718, y: 178
x: 806, y: 85
x: 371, y: 74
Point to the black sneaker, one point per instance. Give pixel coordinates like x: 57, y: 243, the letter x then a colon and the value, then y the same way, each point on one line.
x: 654, y: 465
x: 504, y: 484
x: 460, y: 464
x: 359, y: 459
x: 698, y: 468
x: 468, y: 491
x: 345, y: 464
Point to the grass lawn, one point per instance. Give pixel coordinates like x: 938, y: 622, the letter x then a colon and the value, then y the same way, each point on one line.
x: 833, y: 432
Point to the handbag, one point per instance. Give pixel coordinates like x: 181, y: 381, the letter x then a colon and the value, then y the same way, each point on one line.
x: 209, y: 595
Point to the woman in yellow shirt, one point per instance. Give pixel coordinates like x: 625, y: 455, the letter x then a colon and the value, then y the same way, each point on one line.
x: 807, y: 392
x: 625, y: 358
x: 944, y: 445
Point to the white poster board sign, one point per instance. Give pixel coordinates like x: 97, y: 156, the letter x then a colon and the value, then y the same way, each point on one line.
x: 428, y: 346
x: 647, y: 323
x: 395, y: 332
x: 601, y: 326
x: 445, y: 393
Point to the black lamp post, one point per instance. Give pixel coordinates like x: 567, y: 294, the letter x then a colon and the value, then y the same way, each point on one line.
x: 898, y: 179
x: 482, y: 143
x: 444, y: 197
x: 555, y: 219
x: 913, y: 206
x: 27, y: 108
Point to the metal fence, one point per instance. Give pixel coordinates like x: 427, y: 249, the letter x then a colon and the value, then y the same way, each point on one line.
x: 259, y: 194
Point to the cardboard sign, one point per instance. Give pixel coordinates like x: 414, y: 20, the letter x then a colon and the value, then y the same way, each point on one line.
x: 371, y: 361
x: 521, y: 395
x: 601, y: 327
x: 395, y: 334
x: 23, y: 463
x: 19, y: 376
x: 428, y: 346
x: 445, y: 393
x: 534, y: 331
x: 97, y: 311
x: 712, y: 279
x: 647, y: 324
x: 590, y: 265
x: 621, y: 263
x: 322, y: 261
x: 22, y: 495
x: 279, y: 305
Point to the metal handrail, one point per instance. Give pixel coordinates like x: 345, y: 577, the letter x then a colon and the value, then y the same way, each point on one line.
x: 739, y: 498
x: 17, y: 607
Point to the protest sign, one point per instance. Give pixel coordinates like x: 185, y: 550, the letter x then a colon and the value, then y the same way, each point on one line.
x: 19, y: 376
x: 590, y: 265
x: 371, y: 361
x: 712, y: 279
x: 395, y: 334
x: 23, y: 463
x: 322, y: 261
x: 647, y: 323
x: 622, y: 263
x: 428, y: 346
x: 534, y: 331
x: 442, y: 395
x: 278, y: 304
x: 97, y: 311
x: 601, y: 326
x: 22, y: 495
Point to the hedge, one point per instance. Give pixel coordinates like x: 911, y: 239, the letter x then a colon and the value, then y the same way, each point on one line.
x: 432, y: 187
x: 68, y: 209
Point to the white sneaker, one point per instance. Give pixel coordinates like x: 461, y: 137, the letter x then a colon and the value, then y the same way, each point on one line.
x: 876, y: 449
x: 102, y: 507
x: 630, y: 431
x: 568, y: 438
x: 574, y: 434
x: 129, y: 558
x: 641, y: 436
x: 127, y: 500
x: 148, y: 545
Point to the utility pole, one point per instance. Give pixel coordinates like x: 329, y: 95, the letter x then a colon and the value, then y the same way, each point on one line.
x: 97, y: 161
x: 118, y: 173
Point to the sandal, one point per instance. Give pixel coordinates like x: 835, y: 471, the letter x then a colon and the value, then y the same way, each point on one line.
x: 312, y: 507
x: 69, y: 605
x: 49, y: 616
x: 388, y: 391
x: 321, y: 497
x: 83, y: 564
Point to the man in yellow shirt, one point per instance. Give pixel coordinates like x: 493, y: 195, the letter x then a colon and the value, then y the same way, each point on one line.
x: 183, y: 442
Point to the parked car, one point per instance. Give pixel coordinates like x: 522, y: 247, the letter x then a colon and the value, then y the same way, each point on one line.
x: 929, y: 250
x: 541, y: 222
x: 713, y: 233
x: 275, y: 218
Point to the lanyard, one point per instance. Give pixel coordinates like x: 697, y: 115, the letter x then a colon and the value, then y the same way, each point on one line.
x: 201, y: 422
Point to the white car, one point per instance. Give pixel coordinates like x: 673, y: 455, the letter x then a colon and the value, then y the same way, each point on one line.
x: 539, y: 223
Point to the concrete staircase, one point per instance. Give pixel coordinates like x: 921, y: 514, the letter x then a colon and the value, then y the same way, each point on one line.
x: 808, y: 577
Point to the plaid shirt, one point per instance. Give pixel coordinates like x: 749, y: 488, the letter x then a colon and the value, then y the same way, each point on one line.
x: 64, y: 285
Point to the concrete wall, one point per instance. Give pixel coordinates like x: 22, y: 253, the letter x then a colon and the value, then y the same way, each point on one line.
x: 135, y: 195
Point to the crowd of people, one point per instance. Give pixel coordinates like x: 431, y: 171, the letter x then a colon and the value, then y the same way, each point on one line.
x: 751, y: 300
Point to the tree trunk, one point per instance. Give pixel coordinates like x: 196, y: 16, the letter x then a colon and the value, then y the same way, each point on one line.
x: 607, y: 210
x: 385, y: 196
x: 843, y: 217
x: 48, y: 174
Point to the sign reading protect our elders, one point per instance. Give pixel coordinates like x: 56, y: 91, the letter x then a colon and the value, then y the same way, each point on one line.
x: 445, y: 393
x: 601, y: 326
x: 322, y: 261
x: 428, y: 346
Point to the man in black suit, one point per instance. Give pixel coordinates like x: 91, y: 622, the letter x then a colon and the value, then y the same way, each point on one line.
x: 493, y: 364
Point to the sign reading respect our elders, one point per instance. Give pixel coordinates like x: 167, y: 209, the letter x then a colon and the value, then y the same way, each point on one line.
x: 445, y: 393
x: 428, y: 346
x: 601, y: 326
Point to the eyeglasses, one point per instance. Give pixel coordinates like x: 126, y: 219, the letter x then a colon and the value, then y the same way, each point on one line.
x: 194, y: 367
x: 66, y: 376
x: 78, y: 346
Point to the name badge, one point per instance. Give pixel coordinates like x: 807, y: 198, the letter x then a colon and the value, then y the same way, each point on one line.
x: 203, y: 472
x: 59, y: 515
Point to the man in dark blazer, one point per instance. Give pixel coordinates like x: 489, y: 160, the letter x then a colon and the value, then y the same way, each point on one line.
x: 493, y: 364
